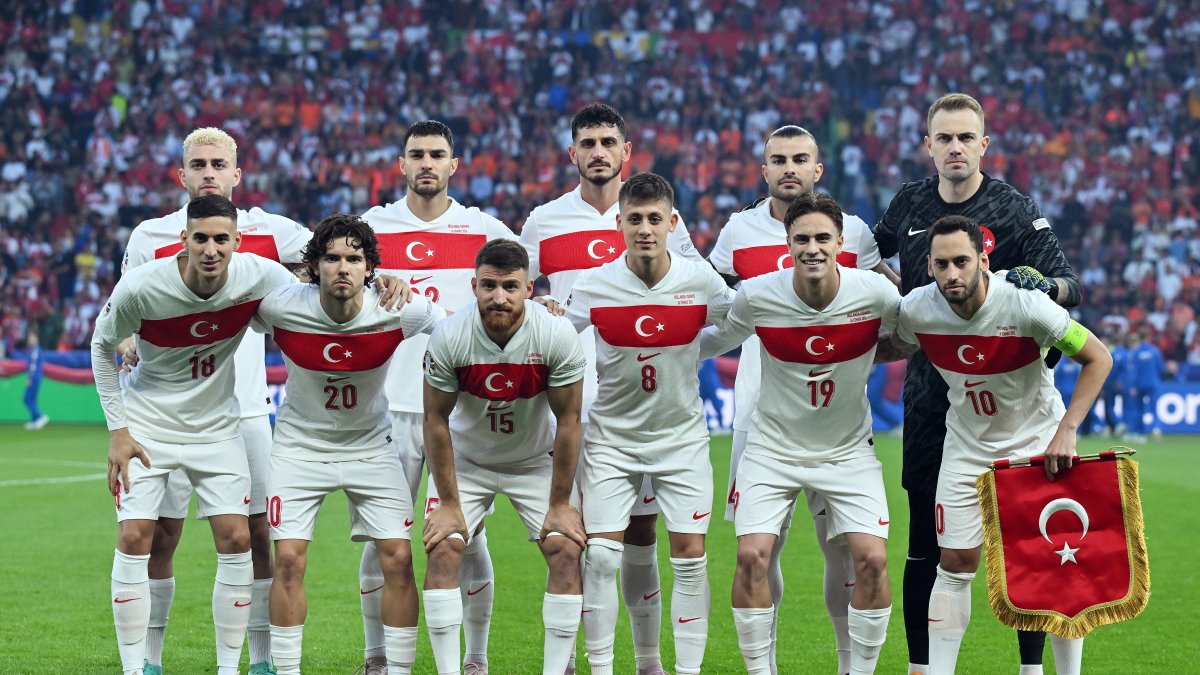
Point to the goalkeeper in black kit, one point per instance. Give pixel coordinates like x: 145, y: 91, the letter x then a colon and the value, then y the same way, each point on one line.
x: 1016, y: 238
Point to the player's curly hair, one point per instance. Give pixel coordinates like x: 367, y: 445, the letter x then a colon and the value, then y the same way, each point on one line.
x: 952, y: 224
x: 597, y: 115
x: 646, y: 187
x: 816, y: 202
x: 337, y: 226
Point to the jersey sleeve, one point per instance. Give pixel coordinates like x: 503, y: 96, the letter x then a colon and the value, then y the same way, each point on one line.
x: 1040, y: 247
x: 121, y: 316
x: 868, y: 255
x: 566, y: 355
x: 737, y: 325
x: 529, y: 239
x: 720, y: 296
x: 267, y: 316
x: 887, y: 230
x: 578, y: 310
x: 904, y: 327
x: 495, y: 229
x: 721, y: 256
x: 1048, y: 321
x: 889, y: 301
x: 439, y: 367
x: 139, y: 250
x: 275, y: 275
x: 681, y: 242
x: 420, y: 316
x: 290, y: 239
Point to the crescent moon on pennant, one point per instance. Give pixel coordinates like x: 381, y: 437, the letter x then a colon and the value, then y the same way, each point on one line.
x: 779, y: 263
x: 637, y: 325
x: 1062, y: 505
x: 408, y: 251
x: 962, y: 355
x: 808, y: 345
x: 325, y: 352
x: 195, y: 329
x: 591, y: 249
x: 488, y: 383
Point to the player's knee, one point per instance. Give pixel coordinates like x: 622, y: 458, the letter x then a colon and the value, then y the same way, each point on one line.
x: 604, y: 555
x: 562, y: 555
x: 290, y: 564
x: 445, y: 558
x: 167, y: 533
x: 872, y: 565
x: 642, y: 530
x: 397, y: 563
x: 960, y: 560
x: 753, y: 560
x: 135, y: 540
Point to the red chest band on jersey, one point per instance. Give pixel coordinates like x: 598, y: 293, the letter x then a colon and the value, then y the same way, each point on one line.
x: 503, y: 381
x: 979, y: 354
x: 649, y: 325
x: 341, y: 353
x: 261, y: 245
x: 580, y: 250
x: 201, y: 328
x: 835, y: 343
x: 429, y: 250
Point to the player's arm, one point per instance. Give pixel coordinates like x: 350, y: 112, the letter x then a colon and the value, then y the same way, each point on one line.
x: 891, y: 347
x: 887, y: 272
x: 121, y: 446
x: 738, y: 325
x: 1088, y: 351
x: 721, y: 257
x: 887, y: 230
x: 447, y: 519
x: 529, y: 239
x: 566, y: 402
x: 681, y: 242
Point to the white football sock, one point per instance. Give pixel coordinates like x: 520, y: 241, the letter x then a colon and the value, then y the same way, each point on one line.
x: 639, y: 579
x: 1031, y: 669
x: 949, y: 614
x: 1068, y: 655
x: 370, y: 596
x: 600, y: 602
x: 162, y: 593
x: 131, y: 607
x: 443, y: 618
x: 475, y: 581
x: 753, y: 626
x: 560, y: 616
x: 689, y: 607
x: 286, y: 647
x: 401, y: 645
x: 231, y: 604
x: 838, y: 586
x: 775, y: 583
x: 867, y: 629
x: 258, y: 630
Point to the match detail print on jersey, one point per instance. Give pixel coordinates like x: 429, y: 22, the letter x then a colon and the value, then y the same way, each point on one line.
x: 333, y: 352
x: 201, y: 328
x: 649, y: 325
x: 580, y: 250
x: 979, y: 354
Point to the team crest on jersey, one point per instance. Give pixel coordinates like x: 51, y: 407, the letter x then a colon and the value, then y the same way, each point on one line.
x: 107, y: 308
x: 989, y: 239
x: 427, y: 363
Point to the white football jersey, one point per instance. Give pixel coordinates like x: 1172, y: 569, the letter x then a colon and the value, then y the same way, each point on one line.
x: 502, y: 416
x: 566, y: 236
x: 1003, y: 404
x: 814, y: 384
x: 182, y: 388
x: 648, y: 351
x: 264, y: 234
x: 335, y: 409
x: 753, y: 243
x: 437, y: 259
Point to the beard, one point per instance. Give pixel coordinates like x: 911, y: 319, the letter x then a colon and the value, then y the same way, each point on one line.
x: 425, y: 189
x: 502, y: 322
x: 969, y: 291
x: 788, y: 195
x: 601, y: 179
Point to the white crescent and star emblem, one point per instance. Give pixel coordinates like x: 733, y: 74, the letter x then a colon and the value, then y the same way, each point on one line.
x: 779, y: 264
x: 591, y: 249
x: 488, y: 383
x: 408, y: 251
x: 328, y: 357
x: 637, y: 326
x: 196, y: 328
x: 1067, y: 553
x: 811, y: 342
x: 962, y: 355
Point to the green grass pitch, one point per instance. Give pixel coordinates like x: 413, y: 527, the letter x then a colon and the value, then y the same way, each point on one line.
x: 59, y: 532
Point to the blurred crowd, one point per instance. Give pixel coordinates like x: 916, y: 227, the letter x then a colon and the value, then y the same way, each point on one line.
x: 1093, y: 109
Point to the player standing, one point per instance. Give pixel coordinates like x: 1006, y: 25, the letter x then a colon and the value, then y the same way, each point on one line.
x: 189, y: 312
x: 430, y: 240
x: 333, y: 430
x: 754, y: 242
x: 210, y: 167
x: 493, y: 375
x: 818, y: 325
x: 648, y: 308
x: 564, y: 237
x: 1015, y: 235
x: 986, y: 339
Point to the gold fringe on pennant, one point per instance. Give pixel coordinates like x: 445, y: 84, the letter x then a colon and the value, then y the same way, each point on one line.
x: 1069, y: 627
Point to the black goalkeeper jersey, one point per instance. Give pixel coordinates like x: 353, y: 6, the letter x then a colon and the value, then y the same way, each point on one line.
x: 1015, y: 233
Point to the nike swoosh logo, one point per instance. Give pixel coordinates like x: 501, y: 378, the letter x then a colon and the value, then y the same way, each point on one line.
x: 473, y: 592
x: 201, y: 351
x: 336, y: 379
x: 121, y: 601
x: 647, y: 500
x: 245, y: 500
x: 408, y: 522
x: 936, y: 620
x: 815, y: 373
x: 884, y: 522
x: 698, y: 516
x: 413, y: 281
x: 241, y: 604
x: 647, y: 597
x: 586, y: 611
x: 683, y: 620
x: 849, y: 584
x: 647, y: 357
x: 499, y: 405
x: 913, y: 233
x: 362, y: 592
x: 970, y: 384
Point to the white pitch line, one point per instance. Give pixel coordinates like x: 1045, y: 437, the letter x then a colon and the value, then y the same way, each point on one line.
x: 50, y: 462
x: 51, y: 481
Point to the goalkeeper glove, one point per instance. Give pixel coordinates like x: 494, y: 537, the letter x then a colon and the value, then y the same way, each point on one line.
x: 1030, y: 279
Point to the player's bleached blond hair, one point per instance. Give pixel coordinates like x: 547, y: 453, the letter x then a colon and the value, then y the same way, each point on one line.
x: 211, y: 136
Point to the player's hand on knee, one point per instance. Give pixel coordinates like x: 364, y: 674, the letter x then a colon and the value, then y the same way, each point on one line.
x: 393, y: 291
x: 567, y: 521
x: 442, y: 522
x: 121, y: 449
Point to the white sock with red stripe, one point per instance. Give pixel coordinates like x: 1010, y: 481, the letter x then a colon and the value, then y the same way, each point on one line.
x: 131, y: 607
x: 949, y: 615
x: 600, y: 602
x: 370, y: 597
x: 476, y: 582
x: 689, y: 607
x: 643, y: 598
x: 231, y: 602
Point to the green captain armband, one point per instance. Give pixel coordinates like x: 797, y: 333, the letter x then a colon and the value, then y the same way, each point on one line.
x: 1072, y: 343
